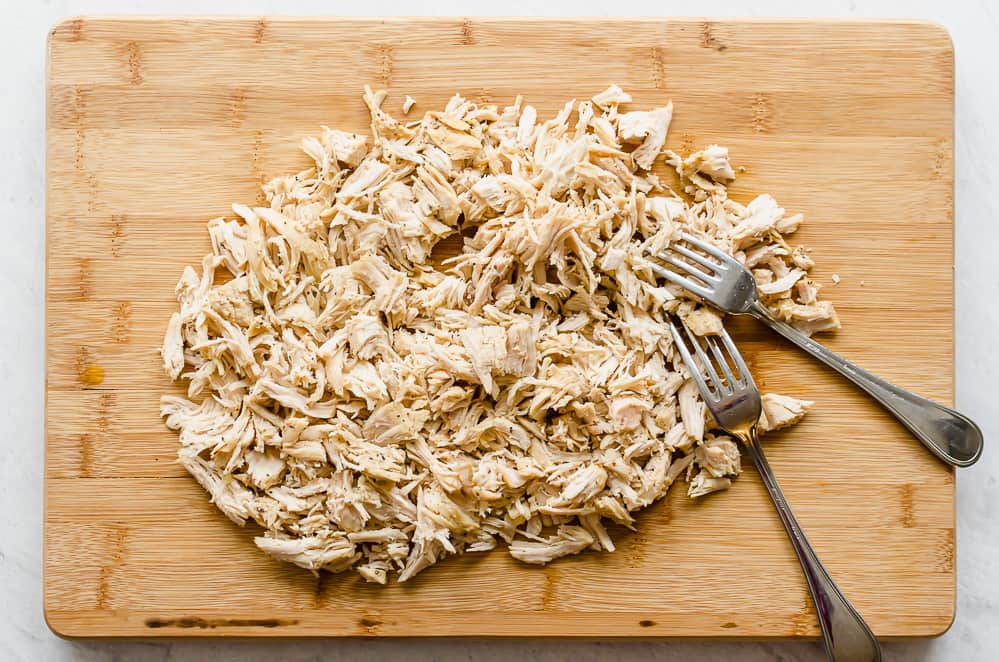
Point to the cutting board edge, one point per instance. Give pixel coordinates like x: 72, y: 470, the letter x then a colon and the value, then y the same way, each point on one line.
x: 61, y: 629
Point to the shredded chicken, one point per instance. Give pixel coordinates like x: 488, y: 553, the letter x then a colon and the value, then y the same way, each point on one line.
x: 781, y: 411
x: 373, y: 407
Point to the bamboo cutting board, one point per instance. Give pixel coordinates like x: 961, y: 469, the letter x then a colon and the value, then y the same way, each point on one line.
x: 156, y: 125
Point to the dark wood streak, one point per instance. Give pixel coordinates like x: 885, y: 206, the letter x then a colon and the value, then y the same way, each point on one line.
x: 120, y: 322
x: 119, y: 535
x: 946, y: 563
x: 549, y: 592
x: 762, y: 121
x: 73, y: 30
x: 255, y: 171
x: 77, y: 115
x: 467, y: 38
x: 941, y: 157
x: 237, y: 108
x: 384, y: 55
x: 658, y: 67
x: 82, y: 361
x: 117, y: 233
x: 86, y: 442
x: 371, y: 624
x: 134, y: 54
x: 83, y: 278
x: 908, y: 517
x: 104, y: 406
x: 212, y: 623
x: 708, y: 38
x: 801, y: 623
x: 260, y: 30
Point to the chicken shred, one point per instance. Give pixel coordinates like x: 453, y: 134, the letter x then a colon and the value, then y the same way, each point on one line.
x: 375, y: 408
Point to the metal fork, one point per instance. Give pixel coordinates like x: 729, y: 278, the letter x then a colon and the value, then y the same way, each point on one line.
x: 722, y: 281
x: 734, y: 401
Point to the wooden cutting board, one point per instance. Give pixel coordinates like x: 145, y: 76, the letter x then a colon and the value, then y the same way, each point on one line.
x: 156, y: 125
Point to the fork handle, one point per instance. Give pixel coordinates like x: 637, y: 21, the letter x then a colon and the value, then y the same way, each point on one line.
x: 950, y: 435
x: 846, y: 636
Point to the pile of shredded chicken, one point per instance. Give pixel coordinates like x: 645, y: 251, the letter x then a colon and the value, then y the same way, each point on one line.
x: 375, y: 408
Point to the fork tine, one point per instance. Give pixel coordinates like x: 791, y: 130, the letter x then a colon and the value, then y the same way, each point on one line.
x: 682, y: 281
x: 695, y: 373
x: 705, y: 359
x: 733, y: 351
x: 712, y: 343
x: 705, y: 246
x: 709, y: 368
x: 688, y: 267
x: 696, y: 257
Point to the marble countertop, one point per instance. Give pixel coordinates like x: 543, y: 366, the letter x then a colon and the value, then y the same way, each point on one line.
x: 974, y: 26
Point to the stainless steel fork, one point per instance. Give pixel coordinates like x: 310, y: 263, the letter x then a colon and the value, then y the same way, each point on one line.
x: 733, y: 399
x: 723, y: 282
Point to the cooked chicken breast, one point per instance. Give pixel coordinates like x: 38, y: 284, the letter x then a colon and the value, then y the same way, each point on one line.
x: 373, y: 408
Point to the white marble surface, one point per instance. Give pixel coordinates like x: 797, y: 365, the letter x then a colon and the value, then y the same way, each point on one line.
x: 974, y: 27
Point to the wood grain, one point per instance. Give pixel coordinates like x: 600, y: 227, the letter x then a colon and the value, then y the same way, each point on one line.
x: 156, y: 125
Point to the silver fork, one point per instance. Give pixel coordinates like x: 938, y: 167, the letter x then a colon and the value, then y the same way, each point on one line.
x: 734, y: 401
x: 722, y: 281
